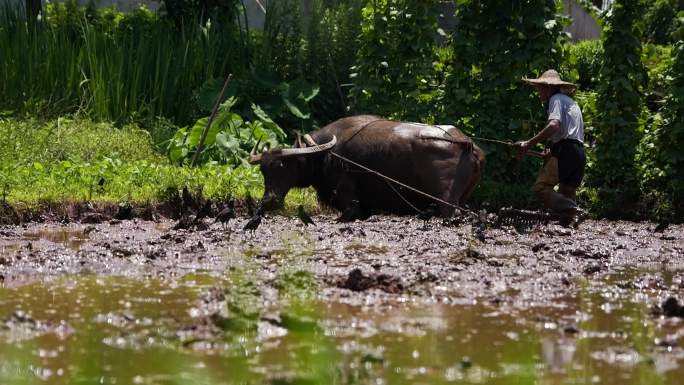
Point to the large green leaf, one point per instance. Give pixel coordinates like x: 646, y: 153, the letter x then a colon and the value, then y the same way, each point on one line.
x: 210, y: 90
x: 227, y: 143
x: 268, y: 123
x: 297, y: 95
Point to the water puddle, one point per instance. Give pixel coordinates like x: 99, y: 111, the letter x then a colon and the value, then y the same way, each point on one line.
x: 367, y: 248
x: 113, y: 330
x: 69, y: 238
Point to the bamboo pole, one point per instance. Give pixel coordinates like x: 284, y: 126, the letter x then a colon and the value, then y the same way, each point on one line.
x: 211, y: 120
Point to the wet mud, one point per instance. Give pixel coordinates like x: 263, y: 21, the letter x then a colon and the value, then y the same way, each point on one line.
x: 390, y: 299
x: 384, y: 256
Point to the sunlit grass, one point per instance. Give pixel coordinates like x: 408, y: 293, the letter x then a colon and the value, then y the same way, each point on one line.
x: 73, y: 160
x: 111, y: 65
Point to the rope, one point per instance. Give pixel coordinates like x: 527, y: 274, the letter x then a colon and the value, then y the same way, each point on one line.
x: 402, y: 197
x: 492, y: 140
x: 589, y: 123
x: 396, y: 182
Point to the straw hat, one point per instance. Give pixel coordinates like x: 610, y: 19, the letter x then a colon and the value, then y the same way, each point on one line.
x: 551, y: 78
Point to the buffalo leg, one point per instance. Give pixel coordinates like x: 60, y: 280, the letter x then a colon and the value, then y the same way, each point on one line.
x: 345, y: 198
x: 460, y: 184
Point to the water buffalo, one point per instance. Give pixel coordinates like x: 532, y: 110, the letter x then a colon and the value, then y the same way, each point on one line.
x: 438, y: 160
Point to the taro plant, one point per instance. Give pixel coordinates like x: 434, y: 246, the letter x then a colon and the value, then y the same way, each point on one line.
x: 229, y: 139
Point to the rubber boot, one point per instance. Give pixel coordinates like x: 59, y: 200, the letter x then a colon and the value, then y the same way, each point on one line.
x: 553, y: 200
x: 568, y: 192
x: 571, y: 193
x: 565, y: 208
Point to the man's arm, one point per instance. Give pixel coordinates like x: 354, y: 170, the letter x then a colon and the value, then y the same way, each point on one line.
x: 552, y: 127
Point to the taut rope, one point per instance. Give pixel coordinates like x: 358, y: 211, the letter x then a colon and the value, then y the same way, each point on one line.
x: 385, y: 177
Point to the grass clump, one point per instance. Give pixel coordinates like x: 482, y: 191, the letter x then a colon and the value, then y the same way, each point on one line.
x: 24, y: 141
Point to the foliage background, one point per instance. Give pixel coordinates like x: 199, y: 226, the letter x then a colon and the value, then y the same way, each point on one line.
x: 312, y: 64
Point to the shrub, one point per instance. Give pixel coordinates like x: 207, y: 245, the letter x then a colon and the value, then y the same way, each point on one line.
x: 394, y: 61
x: 485, y: 94
x: 660, y: 21
x: 660, y: 157
x: 657, y: 59
x: 620, y: 107
x: 583, y: 63
x: 28, y: 141
x: 316, y: 44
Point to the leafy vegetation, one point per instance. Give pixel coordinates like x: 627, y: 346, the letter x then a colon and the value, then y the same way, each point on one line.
x: 583, y: 63
x: 392, y: 75
x: 319, y: 60
x: 228, y: 140
x: 110, y: 65
x: 485, y: 94
x: 660, y: 156
x: 79, y: 160
x: 660, y: 21
x: 620, y: 107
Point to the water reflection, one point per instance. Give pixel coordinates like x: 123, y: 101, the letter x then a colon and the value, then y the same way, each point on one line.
x: 69, y: 238
x: 557, y: 353
x: 84, y: 330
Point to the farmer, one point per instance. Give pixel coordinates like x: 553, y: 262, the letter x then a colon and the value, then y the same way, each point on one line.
x: 564, y: 159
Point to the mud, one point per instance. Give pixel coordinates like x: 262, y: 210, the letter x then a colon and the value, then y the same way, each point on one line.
x: 384, y: 256
x: 371, y: 285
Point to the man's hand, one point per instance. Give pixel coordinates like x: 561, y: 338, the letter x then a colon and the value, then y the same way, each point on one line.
x: 546, y: 154
x: 523, y: 146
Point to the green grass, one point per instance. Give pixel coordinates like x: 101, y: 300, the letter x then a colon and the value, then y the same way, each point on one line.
x: 110, y: 65
x: 75, y: 160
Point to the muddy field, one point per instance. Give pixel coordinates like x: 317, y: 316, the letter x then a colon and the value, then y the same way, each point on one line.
x: 387, y: 300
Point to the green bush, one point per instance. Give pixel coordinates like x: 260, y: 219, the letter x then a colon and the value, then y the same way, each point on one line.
x: 394, y: 62
x: 660, y: 157
x: 317, y: 44
x: 583, y: 63
x: 620, y: 109
x: 657, y: 59
x: 485, y: 93
x: 28, y: 141
x: 660, y: 21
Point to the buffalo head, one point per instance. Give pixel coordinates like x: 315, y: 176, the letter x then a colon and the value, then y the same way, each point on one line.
x: 284, y: 169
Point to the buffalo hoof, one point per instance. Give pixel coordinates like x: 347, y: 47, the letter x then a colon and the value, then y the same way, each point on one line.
x: 347, y: 216
x: 352, y: 213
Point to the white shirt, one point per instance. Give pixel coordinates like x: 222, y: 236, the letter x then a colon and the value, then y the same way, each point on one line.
x: 568, y: 113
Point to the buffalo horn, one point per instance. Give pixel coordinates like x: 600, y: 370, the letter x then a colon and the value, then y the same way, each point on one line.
x: 309, y: 140
x: 309, y: 150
